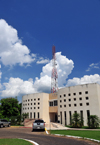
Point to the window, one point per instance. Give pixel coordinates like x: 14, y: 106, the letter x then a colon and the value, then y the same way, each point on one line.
x: 31, y: 107
x: 60, y: 106
x: 88, y: 115
x: 80, y: 104
x: 23, y: 108
x: 87, y: 98
x: 28, y: 100
x: 64, y: 100
x: 28, y: 107
x: 34, y: 103
x: 64, y: 105
x: 70, y: 116
x: 34, y: 99
x: 31, y: 99
x: 38, y: 107
x: 69, y: 105
x: 34, y: 107
x: 81, y: 114
x: 86, y: 92
x: 75, y: 105
x: 30, y: 114
x: 74, y: 94
x: 75, y: 111
x: 60, y: 100
x: 38, y: 98
x: 28, y: 103
x: 38, y: 103
x: 87, y: 104
x: 69, y: 94
x: 69, y: 99
x: 64, y: 95
x: 80, y: 98
x: 60, y: 96
x: 80, y: 93
x: 65, y: 117
x: 74, y: 99
x: 50, y: 103
x: 34, y: 115
x: 55, y: 103
x: 31, y: 103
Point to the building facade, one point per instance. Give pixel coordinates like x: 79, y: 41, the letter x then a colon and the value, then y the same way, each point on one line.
x: 83, y: 99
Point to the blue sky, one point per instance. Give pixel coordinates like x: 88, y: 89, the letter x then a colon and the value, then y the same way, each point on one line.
x: 28, y: 29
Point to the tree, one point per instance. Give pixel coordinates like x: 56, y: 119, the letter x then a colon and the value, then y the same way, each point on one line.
x: 93, y: 121
x: 9, y: 107
x: 25, y: 115
x: 77, y: 121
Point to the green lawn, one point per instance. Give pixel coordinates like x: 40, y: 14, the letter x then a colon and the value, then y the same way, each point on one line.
x: 14, y: 142
x: 80, y: 133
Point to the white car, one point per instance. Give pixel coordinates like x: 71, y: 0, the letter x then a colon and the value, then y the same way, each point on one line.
x: 4, y: 122
x: 38, y: 125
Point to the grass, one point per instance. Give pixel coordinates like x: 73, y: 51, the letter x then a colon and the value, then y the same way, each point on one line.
x: 14, y: 142
x: 80, y: 133
x: 83, y: 127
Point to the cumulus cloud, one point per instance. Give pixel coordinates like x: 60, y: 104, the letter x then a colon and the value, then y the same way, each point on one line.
x: 12, y: 50
x: 84, y: 80
x: 17, y: 86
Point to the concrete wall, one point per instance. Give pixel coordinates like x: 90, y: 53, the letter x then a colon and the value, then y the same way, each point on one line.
x: 77, y: 92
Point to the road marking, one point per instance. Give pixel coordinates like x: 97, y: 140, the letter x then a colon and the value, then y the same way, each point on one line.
x: 30, y: 141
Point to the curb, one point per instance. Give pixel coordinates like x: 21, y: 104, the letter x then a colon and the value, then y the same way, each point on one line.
x: 30, y: 141
x: 46, y: 131
x: 78, y: 137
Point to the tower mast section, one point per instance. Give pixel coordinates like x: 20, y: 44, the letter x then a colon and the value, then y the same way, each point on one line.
x: 54, y: 76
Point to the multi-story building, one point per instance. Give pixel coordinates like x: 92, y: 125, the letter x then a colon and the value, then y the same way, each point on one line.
x: 83, y: 99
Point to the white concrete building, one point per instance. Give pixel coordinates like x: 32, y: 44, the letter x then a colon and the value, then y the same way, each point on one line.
x: 83, y: 99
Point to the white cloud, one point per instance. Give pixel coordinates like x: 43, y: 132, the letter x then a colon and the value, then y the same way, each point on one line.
x: 17, y: 86
x: 93, y: 65
x: 12, y: 50
x: 84, y: 80
x: 43, y: 61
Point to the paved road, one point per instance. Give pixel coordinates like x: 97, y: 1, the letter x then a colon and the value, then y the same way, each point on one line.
x: 41, y: 137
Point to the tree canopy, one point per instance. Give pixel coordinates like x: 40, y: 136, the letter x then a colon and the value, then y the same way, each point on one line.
x: 9, y: 107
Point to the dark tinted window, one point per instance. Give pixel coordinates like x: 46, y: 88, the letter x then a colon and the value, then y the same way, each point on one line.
x: 41, y: 121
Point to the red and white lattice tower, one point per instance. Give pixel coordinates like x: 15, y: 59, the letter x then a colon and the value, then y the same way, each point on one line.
x: 54, y: 76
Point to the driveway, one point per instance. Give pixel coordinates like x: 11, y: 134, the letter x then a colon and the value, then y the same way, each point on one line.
x: 41, y: 137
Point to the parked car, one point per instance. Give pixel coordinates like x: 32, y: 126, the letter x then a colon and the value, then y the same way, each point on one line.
x: 4, y: 122
x: 38, y: 125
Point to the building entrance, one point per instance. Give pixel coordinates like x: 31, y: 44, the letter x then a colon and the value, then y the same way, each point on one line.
x: 53, y: 117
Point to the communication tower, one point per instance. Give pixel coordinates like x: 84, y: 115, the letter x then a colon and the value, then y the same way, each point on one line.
x: 54, y: 76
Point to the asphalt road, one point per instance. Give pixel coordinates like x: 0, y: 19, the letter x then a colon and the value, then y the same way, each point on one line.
x: 41, y: 137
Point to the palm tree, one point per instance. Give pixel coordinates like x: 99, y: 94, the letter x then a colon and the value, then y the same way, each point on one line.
x: 93, y: 121
x: 77, y: 121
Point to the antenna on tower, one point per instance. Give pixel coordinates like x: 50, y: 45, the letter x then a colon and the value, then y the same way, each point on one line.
x: 54, y: 76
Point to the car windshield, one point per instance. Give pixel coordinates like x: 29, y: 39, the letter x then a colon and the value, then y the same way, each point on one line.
x: 40, y: 121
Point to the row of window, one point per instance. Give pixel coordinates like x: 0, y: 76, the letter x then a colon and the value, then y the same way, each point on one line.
x: 30, y: 100
x: 87, y: 98
x: 81, y: 104
x: 31, y: 104
x: 53, y: 103
x: 80, y: 93
x: 34, y: 115
x: 31, y: 108
x: 70, y: 116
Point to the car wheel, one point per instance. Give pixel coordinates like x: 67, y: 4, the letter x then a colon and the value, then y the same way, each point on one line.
x: 1, y: 125
x: 8, y: 125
